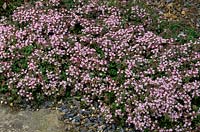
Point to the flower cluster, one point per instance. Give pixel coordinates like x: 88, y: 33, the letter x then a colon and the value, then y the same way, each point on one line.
x: 150, y: 82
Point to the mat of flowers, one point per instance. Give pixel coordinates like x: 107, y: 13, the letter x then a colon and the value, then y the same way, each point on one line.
x: 103, y: 53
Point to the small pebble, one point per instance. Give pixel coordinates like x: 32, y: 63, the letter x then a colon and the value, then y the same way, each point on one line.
x: 113, y: 126
x: 68, y: 115
x: 169, y: 1
x: 77, y: 118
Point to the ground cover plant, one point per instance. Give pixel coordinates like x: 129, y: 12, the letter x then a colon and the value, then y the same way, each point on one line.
x: 104, y: 52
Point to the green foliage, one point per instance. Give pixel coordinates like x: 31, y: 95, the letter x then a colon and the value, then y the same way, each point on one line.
x: 185, y: 66
x: 109, y: 97
x: 195, y: 103
x: 189, y: 79
x: 120, y: 121
x: 137, y: 78
x: 26, y: 51
x: 139, y: 67
x: 112, y: 2
x: 2, y: 79
x: 19, y: 64
x: 120, y: 78
x: 180, y: 101
x: 196, y: 48
x: 98, y: 50
x: 173, y: 29
x: 115, y: 107
x: 39, y: 98
x: 14, y: 95
x: 112, y: 69
x: 131, y: 17
x: 158, y: 74
x: 76, y: 29
x: 68, y: 92
x: 63, y: 75
x: 165, y: 122
x: 112, y: 72
x: 93, y: 15
x: 146, y: 130
x: 97, y: 74
x: 44, y: 66
x: 196, y: 122
x: 3, y: 89
x: 11, y: 6
x: 20, y: 25
x: 64, y: 67
x: 68, y: 4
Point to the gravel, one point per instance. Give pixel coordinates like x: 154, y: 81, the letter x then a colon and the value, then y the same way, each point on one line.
x: 79, y: 119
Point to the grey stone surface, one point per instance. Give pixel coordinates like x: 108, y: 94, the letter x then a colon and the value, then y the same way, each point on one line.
x: 44, y: 120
